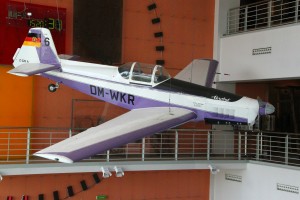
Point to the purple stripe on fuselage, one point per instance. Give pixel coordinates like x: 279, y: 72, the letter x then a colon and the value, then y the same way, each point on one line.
x: 124, y: 100
x: 130, y: 102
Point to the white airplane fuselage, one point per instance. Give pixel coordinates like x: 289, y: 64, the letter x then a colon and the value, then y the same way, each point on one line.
x: 156, y: 101
x: 105, y: 83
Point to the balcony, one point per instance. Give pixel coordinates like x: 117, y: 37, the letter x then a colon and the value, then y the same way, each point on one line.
x: 173, y: 149
x: 261, y: 43
x: 262, y: 15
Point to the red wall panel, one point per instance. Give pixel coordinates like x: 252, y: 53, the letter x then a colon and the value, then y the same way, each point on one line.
x: 14, y: 30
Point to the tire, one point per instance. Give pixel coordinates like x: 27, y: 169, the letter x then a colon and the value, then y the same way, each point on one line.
x: 52, y: 88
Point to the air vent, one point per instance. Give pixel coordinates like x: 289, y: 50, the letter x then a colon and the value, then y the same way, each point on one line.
x: 231, y: 177
x: 288, y: 188
x: 260, y: 51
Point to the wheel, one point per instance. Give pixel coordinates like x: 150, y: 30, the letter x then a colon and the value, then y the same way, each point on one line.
x: 52, y: 88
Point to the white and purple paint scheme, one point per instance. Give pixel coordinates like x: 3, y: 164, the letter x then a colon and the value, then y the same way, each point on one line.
x: 156, y: 101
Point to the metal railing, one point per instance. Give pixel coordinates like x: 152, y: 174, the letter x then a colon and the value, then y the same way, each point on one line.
x: 17, y: 146
x: 262, y: 15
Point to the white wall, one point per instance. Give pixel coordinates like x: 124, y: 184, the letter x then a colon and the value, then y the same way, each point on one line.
x: 259, y: 182
x: 221, y: 9
x: 283, y: 62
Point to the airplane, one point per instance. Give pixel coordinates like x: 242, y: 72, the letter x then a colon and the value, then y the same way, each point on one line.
x: 156, y: 102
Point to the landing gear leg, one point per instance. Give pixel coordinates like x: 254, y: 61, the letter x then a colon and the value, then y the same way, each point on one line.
x: 53, y: 87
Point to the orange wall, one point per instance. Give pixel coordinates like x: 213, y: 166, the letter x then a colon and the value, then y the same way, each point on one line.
x: 253, y: 90
x: 53, y: 109
x: 187, y: 185
x: 15, y: 101
x: 188, y: 34
x: 187, y: 27
x: 19, y: 102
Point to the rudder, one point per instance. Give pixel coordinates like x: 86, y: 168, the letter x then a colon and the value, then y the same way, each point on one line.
x: 37, y: 54
x: 200, y: 72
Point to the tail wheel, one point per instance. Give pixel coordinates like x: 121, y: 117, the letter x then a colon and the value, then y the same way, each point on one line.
x: 52, y: 87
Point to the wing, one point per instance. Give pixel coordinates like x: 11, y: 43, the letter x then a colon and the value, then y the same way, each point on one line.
x: 126, y: 128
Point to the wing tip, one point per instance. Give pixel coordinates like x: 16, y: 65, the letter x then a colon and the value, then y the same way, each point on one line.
x: 17, y: 74
x: 54, y: 157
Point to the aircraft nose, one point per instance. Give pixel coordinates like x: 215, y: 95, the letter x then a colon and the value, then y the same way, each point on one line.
x: 266, y: 108
x: 269, y: 109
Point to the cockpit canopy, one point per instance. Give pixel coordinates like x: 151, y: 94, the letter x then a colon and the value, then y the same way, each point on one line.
x: 141, y: 73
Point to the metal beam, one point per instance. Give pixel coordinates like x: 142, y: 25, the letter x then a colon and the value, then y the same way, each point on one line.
x: 61, y: 168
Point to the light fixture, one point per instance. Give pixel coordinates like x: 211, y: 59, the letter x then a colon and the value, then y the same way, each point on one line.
x: 213, y: 169
x: 158, y: 34
x: 29, y: 14
x: 155, y: 20
x: 160, y: 48
x: 152, y: 6
x: 105, y: 172
x: 119, y: 171
x: 160, y: 62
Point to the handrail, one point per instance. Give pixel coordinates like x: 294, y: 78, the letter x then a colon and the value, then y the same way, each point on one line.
x: 262, y: 15
x: 18, y: 144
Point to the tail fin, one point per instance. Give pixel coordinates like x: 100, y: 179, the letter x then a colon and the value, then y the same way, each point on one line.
x: 37, y: 54
x: 199, y: 71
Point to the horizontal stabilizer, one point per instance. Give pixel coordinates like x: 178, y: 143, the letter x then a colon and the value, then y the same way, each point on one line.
x: 29, y: 69
x: 68, y: 57
x: 126, y: 128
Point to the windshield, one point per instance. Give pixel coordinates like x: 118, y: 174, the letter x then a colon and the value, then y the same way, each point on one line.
x: 143, y: 73
x: 124, y: 70
x: 160, y: 74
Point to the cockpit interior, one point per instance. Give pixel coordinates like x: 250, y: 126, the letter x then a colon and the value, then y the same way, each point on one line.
x: 146, y: 74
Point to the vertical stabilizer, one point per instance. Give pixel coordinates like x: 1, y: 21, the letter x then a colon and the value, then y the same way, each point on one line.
x: 38, y: 47
x: 37, y: 54
x: 199, y: 71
